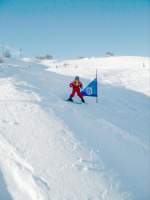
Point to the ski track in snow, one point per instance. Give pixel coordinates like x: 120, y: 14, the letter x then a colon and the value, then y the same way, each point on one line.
x: 31, y: 186
x: 45, y: 154
x: 21, y: 175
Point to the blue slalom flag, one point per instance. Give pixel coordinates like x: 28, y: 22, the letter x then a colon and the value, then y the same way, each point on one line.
x: 91, y: 89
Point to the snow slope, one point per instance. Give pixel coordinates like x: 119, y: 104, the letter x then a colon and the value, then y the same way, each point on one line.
x: 51, y: 149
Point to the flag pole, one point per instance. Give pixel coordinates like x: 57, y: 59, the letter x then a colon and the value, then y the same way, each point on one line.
x: 97, y: 87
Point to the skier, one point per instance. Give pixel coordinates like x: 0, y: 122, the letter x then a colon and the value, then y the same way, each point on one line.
x: 76, y: 87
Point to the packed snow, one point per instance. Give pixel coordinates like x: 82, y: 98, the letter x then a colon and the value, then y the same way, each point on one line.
x: 54, y: 150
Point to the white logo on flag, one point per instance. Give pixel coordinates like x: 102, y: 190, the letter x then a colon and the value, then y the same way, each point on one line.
x: 89, y: 91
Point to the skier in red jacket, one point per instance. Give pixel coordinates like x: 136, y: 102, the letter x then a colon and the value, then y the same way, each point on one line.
x: 76, y: 87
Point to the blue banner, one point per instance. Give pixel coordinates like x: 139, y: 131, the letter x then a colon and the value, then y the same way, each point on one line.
x: 91, y: 89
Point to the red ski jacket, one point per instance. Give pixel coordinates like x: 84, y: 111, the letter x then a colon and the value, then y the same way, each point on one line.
x: 76, y: 85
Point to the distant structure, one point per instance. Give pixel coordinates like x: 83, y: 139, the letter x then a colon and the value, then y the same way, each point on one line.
x: 143, y: 64
x: 20, y: 53
x: 1, y: 59
x: 46, y: 57
x: 109, y: 54
x: 1, y: 54
x: 1, y: 50
x: 8, y: 51
x: 81, y: 57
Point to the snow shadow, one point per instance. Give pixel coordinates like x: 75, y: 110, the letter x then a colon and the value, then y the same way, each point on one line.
x: 4, y: 193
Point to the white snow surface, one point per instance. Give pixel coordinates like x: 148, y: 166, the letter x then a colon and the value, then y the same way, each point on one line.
x: 54, y: 150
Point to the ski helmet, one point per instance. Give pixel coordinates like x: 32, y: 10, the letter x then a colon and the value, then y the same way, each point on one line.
x: 77, y: 78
